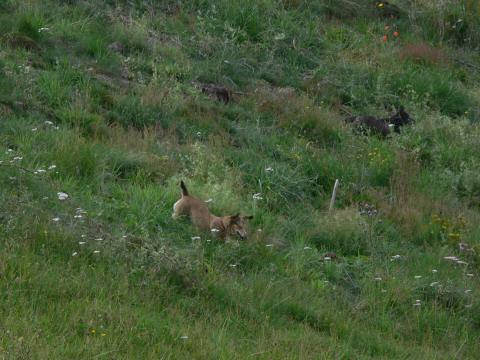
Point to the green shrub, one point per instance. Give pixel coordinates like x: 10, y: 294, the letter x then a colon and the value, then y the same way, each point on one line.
x: 381, y: 161
x: 63, y: 86
x: 137, y: 166
x: 29, y: 25
x: 467, y: 183
x: 129, y: 111
x: 346, y: 232
x: 452, y: 21
x: 240, y: 20
x: 358, y: 85
x: 81, y: 118
x: 430, y: 86
x: 78, y: 161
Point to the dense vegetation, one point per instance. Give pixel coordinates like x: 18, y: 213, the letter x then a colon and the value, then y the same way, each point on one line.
x: 101, y: 116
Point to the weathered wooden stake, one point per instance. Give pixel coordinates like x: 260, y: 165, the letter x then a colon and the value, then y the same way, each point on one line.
x: 334, y: 194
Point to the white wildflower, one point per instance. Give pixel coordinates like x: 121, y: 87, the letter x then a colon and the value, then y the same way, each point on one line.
x: 451, y: 258
x: 78, y: 216
x: 468, y: 291
x: 307, y: 248
x: 434, y: 271
x: 51, y: 167
x: 215, y: 230
x: 98, y: 239
x: 378, y: 279
x: 82, y: 242
x: 34, y: 129
x: 462, y: 262
x: 435, y: 283
x: 196, y: 238
x: 74, y: 253
x: 184, y: 337
x: 17, y: 158
x: 470, y: 275
x: 96, y: 251
x: 42, y: 29
x: 41, y: 171
x: 468, y: 306
x: 47, y: 122
x: 56, y: 219
x: 418, y: 276
x: 209, y: 200
x: 395, y: 257
x: 269, y: 245
x: 257, y: 196
x: 62, y: 196
x: 269, y: 169
x: 233, y: 265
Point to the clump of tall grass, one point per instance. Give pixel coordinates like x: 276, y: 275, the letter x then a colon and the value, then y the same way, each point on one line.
x: 346, y: 231
x: 456, y: 22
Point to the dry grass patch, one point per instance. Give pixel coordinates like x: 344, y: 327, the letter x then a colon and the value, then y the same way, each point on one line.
x: 423, y: 53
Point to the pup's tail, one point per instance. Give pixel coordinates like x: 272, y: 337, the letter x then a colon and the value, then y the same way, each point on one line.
x: 184, y: 188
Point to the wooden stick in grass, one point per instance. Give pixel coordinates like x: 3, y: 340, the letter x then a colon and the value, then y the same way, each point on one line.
x: 334, y: 194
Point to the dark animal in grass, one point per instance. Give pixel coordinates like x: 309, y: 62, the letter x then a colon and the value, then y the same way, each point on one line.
x: 382, y: 126
x: 221, y: 93
x: 117, y: 47
x: 218, y: 92
x: 399, y: 119
x: 370, y: 124
x: 17, y: 41
x: 388, y: 10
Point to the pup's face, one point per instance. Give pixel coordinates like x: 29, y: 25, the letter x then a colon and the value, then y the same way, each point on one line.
x: 402, y: 117
x: 238, y: 226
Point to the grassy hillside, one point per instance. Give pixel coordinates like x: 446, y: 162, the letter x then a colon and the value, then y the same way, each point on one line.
x: 100, y: 100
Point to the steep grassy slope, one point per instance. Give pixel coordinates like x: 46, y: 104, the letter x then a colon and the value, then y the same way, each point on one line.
x: 100, y: 100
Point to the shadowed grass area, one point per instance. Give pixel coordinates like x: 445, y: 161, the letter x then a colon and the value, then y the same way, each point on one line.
x: 102, y: 101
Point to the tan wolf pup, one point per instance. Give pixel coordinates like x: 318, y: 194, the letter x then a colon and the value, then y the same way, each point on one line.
x: 200, y: 216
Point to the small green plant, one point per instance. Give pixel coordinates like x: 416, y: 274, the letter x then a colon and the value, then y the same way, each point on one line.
x: 31, y: 25
x: 347, y: 232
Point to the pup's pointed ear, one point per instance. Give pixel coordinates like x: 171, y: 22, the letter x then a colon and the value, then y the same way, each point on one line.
x: 234, y: 218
